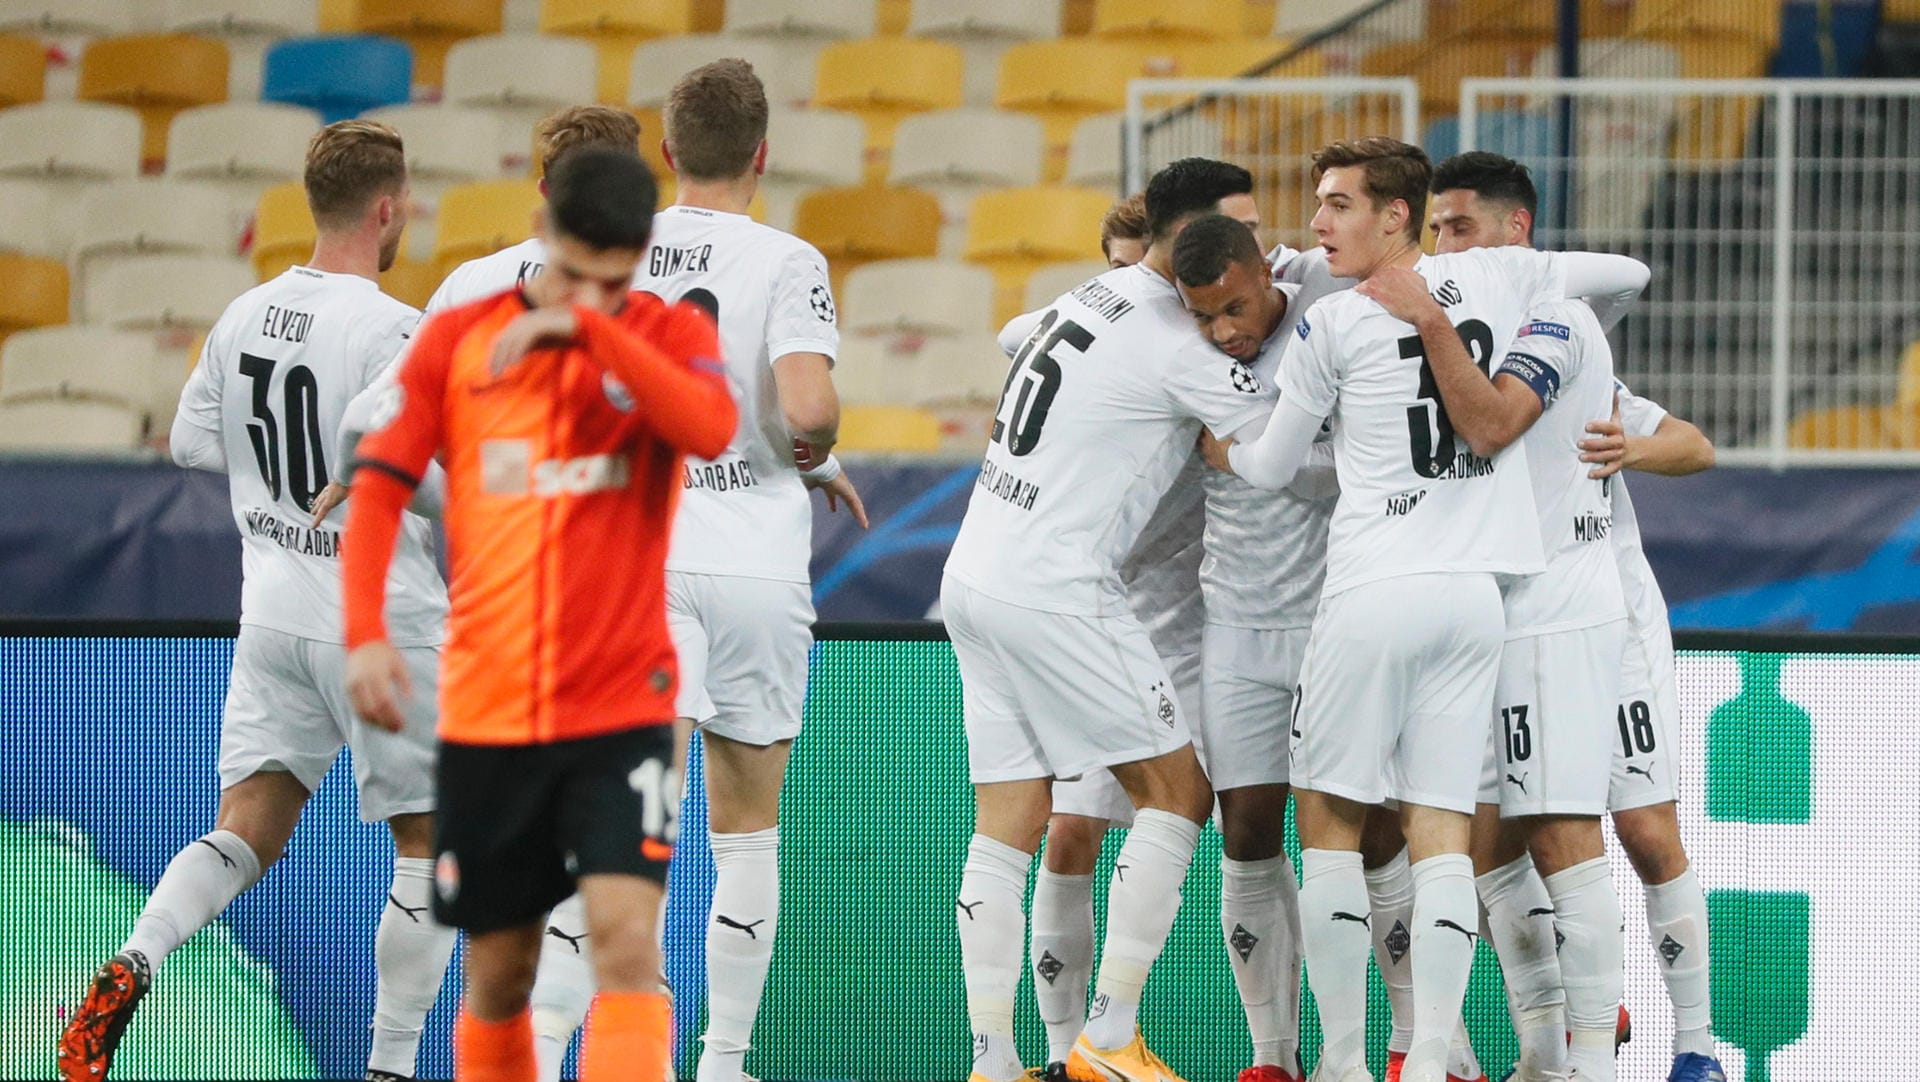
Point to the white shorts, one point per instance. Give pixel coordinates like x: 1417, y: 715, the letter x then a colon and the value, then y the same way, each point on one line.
x: 1048, y: 695
x: 1552, y: 720
x: 1097, y: 793
x: 1395, y: 690
x: 1247, y: 682
x: 743, y: 645
x: 1646, y: 749
x: 287, y: 710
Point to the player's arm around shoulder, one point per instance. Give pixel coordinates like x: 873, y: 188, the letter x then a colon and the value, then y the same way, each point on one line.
x: 1641, y: 435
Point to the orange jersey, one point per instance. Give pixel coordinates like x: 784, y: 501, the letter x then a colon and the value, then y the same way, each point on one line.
x: 562, y: 475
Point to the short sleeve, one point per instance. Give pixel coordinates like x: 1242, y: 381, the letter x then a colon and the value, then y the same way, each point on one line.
x: 405, y: 422
x: 1215, y: 389
x: 1544, y: 355
x: 1638, y: 416
x: 801, y: 318
x: 387, y: 340
x: 1307, y: 374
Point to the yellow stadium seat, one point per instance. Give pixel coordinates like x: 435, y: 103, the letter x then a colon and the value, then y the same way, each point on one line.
x: 881, y: 80
x: 888, y: 428
x: 890, y: 17
x: 1230, y: 58
x: 479, y: 219
x: 1850, y: 428
x: 411, y: 281
x: 615, y: 27
x: 1439, y: 69
x: 1757, y: 21
x: 1900, y: 11
x: 1015, y: 231
x: 1908, y: 393
x: 1455, y: 18
x: 1157, y: 20
x: 36, y: 293
x: 430, y: 27
x: 23, y: 70
x: 157, y: 74
x: 1076, y: 18
x: 1711, y: 130
x: 1063, y: 83
x: 283, y: 230
x: 863, y: 223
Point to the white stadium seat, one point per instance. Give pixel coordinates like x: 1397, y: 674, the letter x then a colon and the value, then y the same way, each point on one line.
x: 55, y: 18
x: 78, y: 362
x: 1093, y: 156
x: 930, y: 297
x: 958, y: 153
x: 152, y: 215
x: 1010, y: 20
x: 24, y: 228
x: 165, y: 291
x: 801, y: 18
x: 1048, y: 283
x: 69, y: 426
x: 77, y: 139
x: 785, y: 65
x: 949, y: 371
x: 520, y: 78
x: 807, y: 149
x: 253, y: 140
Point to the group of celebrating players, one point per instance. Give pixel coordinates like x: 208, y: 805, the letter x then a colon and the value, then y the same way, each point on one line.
x: 1341, y: 525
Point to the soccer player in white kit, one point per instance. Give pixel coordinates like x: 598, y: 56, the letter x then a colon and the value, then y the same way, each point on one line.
x: 1097, y: 420
x: 1483, y: 199
x: 263, y: 406
x: 739, y: 599
x: 1402, y: 662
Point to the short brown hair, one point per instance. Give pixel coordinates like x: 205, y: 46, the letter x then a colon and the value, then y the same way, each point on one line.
x: 716, y: 117
x: 351, y: 163
x: 1125, y: 220
x: 1393, y: 170
x: 578, y: 126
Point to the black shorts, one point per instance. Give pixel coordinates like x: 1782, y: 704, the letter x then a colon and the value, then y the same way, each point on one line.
x: 517, y: 825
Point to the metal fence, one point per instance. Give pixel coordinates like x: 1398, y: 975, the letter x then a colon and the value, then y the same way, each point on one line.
x: 1781, y: 218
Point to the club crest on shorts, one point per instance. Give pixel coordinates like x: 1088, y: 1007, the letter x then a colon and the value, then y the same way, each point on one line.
x: 1166, y: 713
x: 446, y: 877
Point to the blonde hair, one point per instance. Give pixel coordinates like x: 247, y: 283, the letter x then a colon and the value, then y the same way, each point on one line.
x: 350, y: 164
x: 1125, y: 220
x: 561, y: 133
x: 716, y: 118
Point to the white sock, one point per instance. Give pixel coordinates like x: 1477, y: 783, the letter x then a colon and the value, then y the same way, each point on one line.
x: 1462, y: 1062
x: 410, y: 955
x: 746, y: 910
x: 1445, y: 929
x: 1334, y: 926
x: 562, y: 987
x: 992, y: 930
x: 1520, y: 922
x: 1062, y: 953
x: 1390, y: 900
x: 198, y: 885
x: 1677, y: 927
x: 1263, y: 948
x: 1141, y: 905
x: 1591, y: 964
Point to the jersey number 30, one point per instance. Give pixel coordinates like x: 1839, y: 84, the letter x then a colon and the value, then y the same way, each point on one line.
x: 1033, y: 381
x: 1429, y: 429
x: 306, y: 458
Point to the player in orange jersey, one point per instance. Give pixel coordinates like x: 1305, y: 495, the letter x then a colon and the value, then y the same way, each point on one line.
x: 562, y: 411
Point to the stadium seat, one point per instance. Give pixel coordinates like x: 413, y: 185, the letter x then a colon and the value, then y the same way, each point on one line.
x: 410, y: 281
x: 882, y: 80
x: 69, y: 139
x: 1234, y: 57
x: 615, y: 27
x: 240, y: 149
x: 917, y: 297
x: 1756, y: 21
x: 862, y: 223
x: 478, y: 219
x: 833, y: 19
x: 1439, y: 69
x: 1049, y: 282
x: 24, y: 228
x: 429, y: 27
x: 68, y: 18
x: 1094, y: 158
x: 1156, y: 20
x: 446, y: 144
x: 69, y: 426
x: 880, y: 429
x: 247, y: 28
x: 165, y: 292
x: 958, y: 153
x: 1458, y: 18
x: 966, y: 370
x: 36, y: 293
x: 132, y: 218
x: 519, y: 78
x: 1395, y: 22
x: 1063, y: 83
x: 338, y: 76
x: 1007, y: 20
x: 860, y: 374
x: 1850, y: 428
x: 23, y: 70
x: 786, y: 67
x: 78, y: 362
x: 283, y: 230
x: 808, y: 149
x: 1907, y: 392
x: 156, y: 74
x: 1015, y: 231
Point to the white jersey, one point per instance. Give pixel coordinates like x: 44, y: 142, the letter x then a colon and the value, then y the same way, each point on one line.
x: 1266, y: 552
x: 277, y: 371
x: 1162, y: 573
x: 745, y: 513
x: 1562, y: 355
x: 1099, y: 417
x: 1414, y: 498
x: 1646, y: 605
x: 480, y: 278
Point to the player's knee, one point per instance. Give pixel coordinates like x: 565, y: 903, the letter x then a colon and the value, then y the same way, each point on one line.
x: 1381, y: 839
x: 1253, y: 822
x: 412, y: 835
x: 1073, y: 844
x: 627, y: 958
x: 1651, y: 838
x: 1559, y: 843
